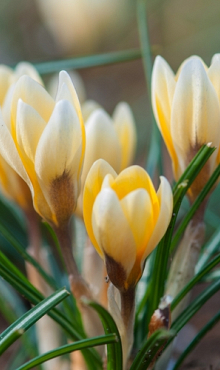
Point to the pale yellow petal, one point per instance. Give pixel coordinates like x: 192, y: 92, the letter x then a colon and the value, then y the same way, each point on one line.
x: 112, y: 230
x: 10, y: 153
x: 163, y: 87
x: 101, y: 142
x: 30, y: 126
x: 25, y: 68
x: 5, y: 75
x: 214, y: 73
x: 195, y: 118
x: 124, y: 125
x: 165, y: 198
x: 132, y: 178
x: 193, y: 57
x: 138, y: 210
x: 33, y: 94
x: 88, y: 107
x: 65, y: 84
x: 92, y: 187
x: 60, y: 145
x: 6, y: 107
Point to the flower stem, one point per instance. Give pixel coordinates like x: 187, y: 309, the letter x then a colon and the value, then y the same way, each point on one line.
x: 64, y: 238
x: 127, y: 314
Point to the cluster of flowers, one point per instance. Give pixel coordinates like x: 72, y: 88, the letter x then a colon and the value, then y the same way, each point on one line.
x: 67, y: 157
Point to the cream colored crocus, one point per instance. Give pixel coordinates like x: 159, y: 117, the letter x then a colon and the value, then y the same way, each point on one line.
x: 187, y: 110
x: 12, y: 185
x: 125, y: 219
x: 110, y: 138
x: 44, y: 142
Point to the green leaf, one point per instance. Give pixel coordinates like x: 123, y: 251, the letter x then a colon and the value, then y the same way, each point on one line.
x: 114, y: 350
x: 197, y: 339
x: 195, y: 206
x: 155, y: 147
x: 163, y: 248
x: 14, y: 331
x: 86, y: 343
x: 211, y: 247
x: 88, y: 61
x: 150, y: 348
x: 24, y: 287
x: 21, y: 250
x: 195, y: 280
x: 198, y: 302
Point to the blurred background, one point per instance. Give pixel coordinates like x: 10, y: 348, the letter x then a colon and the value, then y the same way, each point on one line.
x: 45, y: 30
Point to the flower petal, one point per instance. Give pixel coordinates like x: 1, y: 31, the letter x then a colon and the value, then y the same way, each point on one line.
x: 195, y: 118
x: 101, y: 142
x: 138, y: 210
x: 5, y: 75
x: 163, y: 87
x: 132, y: 178
x: 165, y: 198
x: 30, y: 126
x: 112, y: 230
x: 88, y: 107
x: 60, y: 145
x: 92, y: 187
x: 124, y: 125
x: 33, y: 94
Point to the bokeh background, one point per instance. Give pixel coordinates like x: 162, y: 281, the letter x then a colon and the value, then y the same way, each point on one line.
x: 45, y: 30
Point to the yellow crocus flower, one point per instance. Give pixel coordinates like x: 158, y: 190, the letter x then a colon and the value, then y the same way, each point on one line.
x: 187, y: 110
x: 12, y: 185
x: 125, y: 218
x: 45, y: 145
x: 112, y: 139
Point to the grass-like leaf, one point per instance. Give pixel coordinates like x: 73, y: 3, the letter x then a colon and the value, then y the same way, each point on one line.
x: 24, y: 287
x: 86, y: 343
x: 155, y: 148
x: 21, y: 250
x: 14, y: 331
x: 211, y: 247
x: 195, y: 280
x: 163, y: 249
x: 196, y: 340
x: 150, y: 348
x: 88, y: 61
x: 114, y: 350
x: 195, y: 206
x: 198, y: 302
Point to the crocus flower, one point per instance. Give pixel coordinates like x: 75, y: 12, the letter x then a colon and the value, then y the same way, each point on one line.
x: 187, y: 110
x: 45, y: 143
x: 125, y: 218
x: 112, y: 139
x: 12, y: 185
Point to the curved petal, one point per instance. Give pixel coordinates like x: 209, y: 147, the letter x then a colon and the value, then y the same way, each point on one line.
x: 138, y: 210
x: 29, y: 129
x: 214, y: 74
x: 65, y: 84
x: 112, y: 230
x: 25, y: 68
x: 195, y: 118
x: 10, y: 154
x: 193, y: 57
x: 165, y: 198
x: 101, y: 142
x: 124, y: 125
x: 5, y: 75
x: 163, y: 87
x: 59, y: 148
x: 132, y: 178
x: 88, y: 107
x: 32, y: 93
x: 92, y: 187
